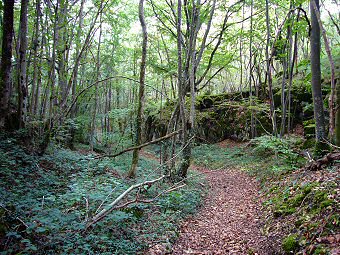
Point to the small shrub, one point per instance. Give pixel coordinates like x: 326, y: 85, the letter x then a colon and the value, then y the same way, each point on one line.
x: 271, y: 145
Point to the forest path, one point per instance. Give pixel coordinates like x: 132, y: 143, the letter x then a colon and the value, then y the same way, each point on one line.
x: 229, y: 221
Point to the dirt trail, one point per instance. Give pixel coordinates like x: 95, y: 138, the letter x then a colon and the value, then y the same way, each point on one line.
x: 229, y: 221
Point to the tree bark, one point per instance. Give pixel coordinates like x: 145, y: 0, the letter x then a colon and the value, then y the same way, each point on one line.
x: 139, y: 118
x: 52, y: 75
x: 36, y: 68
x: 286, y: 70
x: 331, y: 62
x: 185, y: 160
x: 78, y: 47
x: 22, y: 65
x: 6, y: 61
x: 61, y: 52
x: 291, y: 72
x: 269, y: 73
x: 320, y: 131
x: 252, y: 119
x: 95, y: 107
x: 337, y: 115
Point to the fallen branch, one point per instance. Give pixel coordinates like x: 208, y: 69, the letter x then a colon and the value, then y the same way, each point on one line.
x: 160, y: 194
x: 139, y: 146
x: 113, y: 206
x: 332, y: 145
x: 328, y: 159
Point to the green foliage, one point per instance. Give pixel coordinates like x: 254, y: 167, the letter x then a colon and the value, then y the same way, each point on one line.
x: 215, y: 157
x: 45, y: 202
x: 271, y: 145
x: 290, y: 243
x: 183, y: 201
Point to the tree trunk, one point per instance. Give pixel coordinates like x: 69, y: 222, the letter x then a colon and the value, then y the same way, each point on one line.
x: 331, y: 62
x: 52, y: 76
x: 185, y: 160
x: 94, y: 114
x: 61, y: 52
x: 22, y: 65
x: 139, y: 118
x: 76, y: 68
x: 291, y: 72
x: 337, y: 115
x: 252, y: 120
x: 36, y: 68
x: 6, y: 61
x: 320, y: 131
x: 269, y: 73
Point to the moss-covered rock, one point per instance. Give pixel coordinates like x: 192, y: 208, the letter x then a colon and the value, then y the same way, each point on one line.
x: 228, y: 115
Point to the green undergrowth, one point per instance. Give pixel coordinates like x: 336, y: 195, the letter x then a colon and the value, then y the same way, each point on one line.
x: 46, y: 202
x: 214, y: 156
x: 306, y: 205
x: 301, y: 208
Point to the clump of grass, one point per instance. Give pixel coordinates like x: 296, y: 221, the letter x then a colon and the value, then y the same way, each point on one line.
x: 290, y: 243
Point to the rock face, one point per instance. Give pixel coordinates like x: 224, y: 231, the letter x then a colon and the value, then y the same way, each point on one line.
x: 228, y: 115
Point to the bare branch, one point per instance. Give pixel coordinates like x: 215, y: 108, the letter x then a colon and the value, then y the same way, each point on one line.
x: 112, y: 206
x: 139, y: 146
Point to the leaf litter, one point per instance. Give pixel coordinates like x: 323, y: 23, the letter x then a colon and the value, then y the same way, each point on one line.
x: 229, y: 222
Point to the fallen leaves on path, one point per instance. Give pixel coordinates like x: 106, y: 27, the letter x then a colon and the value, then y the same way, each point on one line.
x: 229, y: 222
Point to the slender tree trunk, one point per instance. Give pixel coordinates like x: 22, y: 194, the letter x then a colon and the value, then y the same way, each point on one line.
x: 95, y: 107
x: 286, y: 70
x: 52, y: 75
x: 337, y: 115
x: 22, y: 65
x: 195, y: 26
x: 39, y: 80
x: 45, y: 45
x: 6, y: 61
x: 269, y: 73
x: 185, y: 160
x: 61, y: 52
x: 78, y: 47
x: 252, y: 120
x: 139, y: 118
x: 241, y: 43
x: 36, y: 69
x: 331, y: 62
x: 291, y: 72
x: 320, y: 131
x: 109, y: 107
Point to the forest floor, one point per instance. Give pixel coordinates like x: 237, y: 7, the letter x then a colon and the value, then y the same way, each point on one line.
x: 229, y: 222
x: 260, y: 202
x: 239, y: 198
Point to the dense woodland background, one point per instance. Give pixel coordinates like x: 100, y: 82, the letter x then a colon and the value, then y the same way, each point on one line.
x: 109, y: 77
